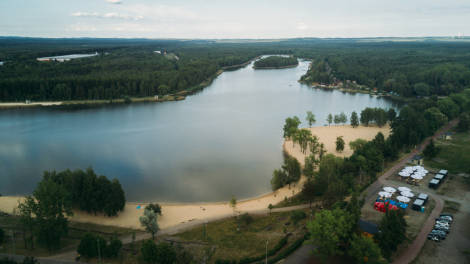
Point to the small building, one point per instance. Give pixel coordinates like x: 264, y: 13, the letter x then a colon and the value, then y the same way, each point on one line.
x: 439, y: 177
x: 368, y: 229
x: 443, y: 172
x: 156, y: 97
x: 1, y: 63
x: 417, y: 205
x: 447, y: 135
x: 423, y: 197
x: 157, y: 51
x: 28, y: 101
x: 418, y: 160
x: 434, y: 183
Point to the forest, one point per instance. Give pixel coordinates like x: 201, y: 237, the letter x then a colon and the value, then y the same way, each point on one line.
x: 275, y: 62
x: 132, y: 67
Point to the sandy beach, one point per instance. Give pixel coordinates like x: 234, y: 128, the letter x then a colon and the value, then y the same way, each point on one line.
x: 8, y: 105
x: 177, y: 214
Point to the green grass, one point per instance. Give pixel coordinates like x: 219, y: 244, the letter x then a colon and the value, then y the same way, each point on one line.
x: 455, y: 155
x: 250, y: 241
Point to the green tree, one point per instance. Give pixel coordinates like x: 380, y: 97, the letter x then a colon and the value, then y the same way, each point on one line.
x: 233, y: 203
x: 448, y: 108
x: 292, y: 167
x: 296, y: 216
x: 127, y: 99
x: 357, y: 144
x: 322, y: 151
x: 149, y: 222
x: 354, y: 119
x: 293, y: 122
x: 88, y: 246
x: 363, y: 249
x: 310, y: 165
x: 431, y: 151
x: 308, y: 190
x: 310, y: 118
x: 52, y: 209
x: 464, y: 123
x: 391, y: 114
x: 165, y: 253
x: 367, y: 115
x: 278, y: 180
x: 327, y: 230
x: 149, y: 251
x: 116, y: 200
x: 343, y: 117
x: 155, y: 207
x: 246, y: 218
x: 329, y: 119
x: 381, y: 117
x: 270, y: 207
x: 27, y: 219
x: 421, y: 89
x: 340, y: 143
x: 393, y: 232
x: 28, y: 260
x: 113, y: 248
x: 337, y: 119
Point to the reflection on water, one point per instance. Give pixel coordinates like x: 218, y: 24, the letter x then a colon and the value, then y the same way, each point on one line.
x: 223, y: 140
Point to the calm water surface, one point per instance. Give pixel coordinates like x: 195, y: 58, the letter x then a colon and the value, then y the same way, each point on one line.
x: 224, y: 140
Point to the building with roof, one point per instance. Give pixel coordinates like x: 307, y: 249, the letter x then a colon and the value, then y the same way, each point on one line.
x: 424, y: 197
x: 368, y: 229
x: 417, y: 205
x: 418, y: 160
x: 434, y: 183
x: 447, y: 135
x: 443, y: 172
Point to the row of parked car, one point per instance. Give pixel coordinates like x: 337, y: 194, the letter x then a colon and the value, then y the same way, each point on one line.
x: 441, y: 229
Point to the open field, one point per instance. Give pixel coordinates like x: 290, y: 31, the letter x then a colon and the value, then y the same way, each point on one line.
x: 454, y: 155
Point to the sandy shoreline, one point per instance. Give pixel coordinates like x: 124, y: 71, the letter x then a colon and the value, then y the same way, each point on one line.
x: 181, y: 213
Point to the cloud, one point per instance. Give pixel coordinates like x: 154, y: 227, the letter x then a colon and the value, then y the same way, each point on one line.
x: 84, y: 14
x: 114, y: 2
x: 108, y: 15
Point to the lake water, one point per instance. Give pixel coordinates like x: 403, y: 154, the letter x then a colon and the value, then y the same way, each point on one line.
x: 224, y: 140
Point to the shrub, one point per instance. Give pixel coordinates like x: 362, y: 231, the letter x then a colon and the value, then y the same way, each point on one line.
x: 127, y: 99
x: 246, y: 218
x: 296, y: 216
x: 226, y: 262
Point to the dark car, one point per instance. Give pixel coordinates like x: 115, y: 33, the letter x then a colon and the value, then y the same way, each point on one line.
x: 440, y: 236
x: 446, y: 214
x: 441, y: 219
x: 434, y: 238
x: 438, y: 232
x: 442, y: 229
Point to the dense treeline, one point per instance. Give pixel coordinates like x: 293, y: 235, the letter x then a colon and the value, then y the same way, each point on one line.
x: 275, y: 62
x: 408, y: 69
x: 89, y: 192
x: 132, y: 68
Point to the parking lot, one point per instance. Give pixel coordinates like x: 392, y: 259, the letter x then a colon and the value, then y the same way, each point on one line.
x: 451, y: 249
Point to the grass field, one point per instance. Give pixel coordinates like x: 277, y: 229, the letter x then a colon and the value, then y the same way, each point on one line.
x: 454, y: 154
x: 227, y: 243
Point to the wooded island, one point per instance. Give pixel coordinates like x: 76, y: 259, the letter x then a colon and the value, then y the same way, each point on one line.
x: 275, y: 62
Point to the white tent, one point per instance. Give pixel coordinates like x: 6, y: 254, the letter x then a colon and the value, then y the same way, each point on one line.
x: 385, y: 194
x: 403, y: 199
x: 407, y: 194
x: 404, y: 189
x: 389, y: 189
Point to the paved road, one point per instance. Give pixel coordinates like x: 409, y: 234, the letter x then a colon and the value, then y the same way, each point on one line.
x: 300, y: 256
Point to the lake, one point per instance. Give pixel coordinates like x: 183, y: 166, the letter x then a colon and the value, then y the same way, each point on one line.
x: 224, y: 140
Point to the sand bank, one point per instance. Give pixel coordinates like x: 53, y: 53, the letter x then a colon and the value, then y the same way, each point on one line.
x: 177, y: 214
x: 328, y: 134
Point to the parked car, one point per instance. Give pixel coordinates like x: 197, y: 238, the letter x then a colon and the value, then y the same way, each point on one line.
x: 440, y: 236
x: 435, y: 231
x: 446, y: 214
x: 444, y: 223
x: 441, y: 228
x: 434, y: 238
x: 446, y: 218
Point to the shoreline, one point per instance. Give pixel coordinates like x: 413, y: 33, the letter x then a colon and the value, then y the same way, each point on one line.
x: 175, y: 214
x: 283, y: 67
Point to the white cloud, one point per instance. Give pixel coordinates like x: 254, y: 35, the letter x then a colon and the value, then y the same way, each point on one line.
x: 113, y: 1
x: 84, y: 14
x: 108, y: 15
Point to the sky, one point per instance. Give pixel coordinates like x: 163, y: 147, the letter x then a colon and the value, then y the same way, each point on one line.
x: 233, y: 19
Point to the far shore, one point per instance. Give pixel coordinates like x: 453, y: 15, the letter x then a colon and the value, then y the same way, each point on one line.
x: 283, y: 67
x: 174, y: 214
